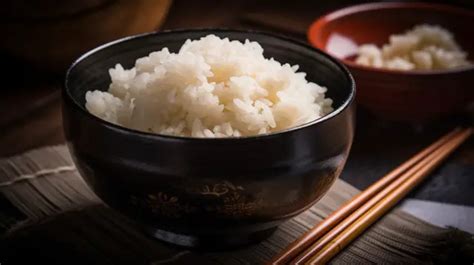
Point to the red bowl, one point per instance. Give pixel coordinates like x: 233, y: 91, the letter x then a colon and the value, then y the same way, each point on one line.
x: 416, y: 96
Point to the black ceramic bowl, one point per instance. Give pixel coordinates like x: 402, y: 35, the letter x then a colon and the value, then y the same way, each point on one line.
x: 208, y: 192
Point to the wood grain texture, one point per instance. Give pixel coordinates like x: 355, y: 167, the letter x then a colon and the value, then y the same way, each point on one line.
x: 333, y: 242
x: 305, y: 245
x: 63, y: 222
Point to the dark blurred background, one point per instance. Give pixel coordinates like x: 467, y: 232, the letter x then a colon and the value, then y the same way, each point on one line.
x: 46, y: 35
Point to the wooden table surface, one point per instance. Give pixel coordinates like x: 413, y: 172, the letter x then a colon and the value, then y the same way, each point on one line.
x: 30, y: 106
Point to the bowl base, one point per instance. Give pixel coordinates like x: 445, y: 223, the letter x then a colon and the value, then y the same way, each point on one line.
x: 211, y: 242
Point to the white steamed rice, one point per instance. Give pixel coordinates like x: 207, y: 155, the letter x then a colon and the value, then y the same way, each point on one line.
x: 211, y: 88
x: 424, y: 47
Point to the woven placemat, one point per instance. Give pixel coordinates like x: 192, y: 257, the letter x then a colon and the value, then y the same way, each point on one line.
x: 49, y: 214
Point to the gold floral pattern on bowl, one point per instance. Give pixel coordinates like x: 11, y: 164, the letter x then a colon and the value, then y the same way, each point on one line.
x: 224, y: 198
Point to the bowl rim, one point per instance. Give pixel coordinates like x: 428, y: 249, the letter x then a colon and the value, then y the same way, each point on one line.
x: 122, y: 129
x: 316, y: 27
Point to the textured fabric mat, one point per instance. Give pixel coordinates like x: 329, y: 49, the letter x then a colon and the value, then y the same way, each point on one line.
x: 48, y: 214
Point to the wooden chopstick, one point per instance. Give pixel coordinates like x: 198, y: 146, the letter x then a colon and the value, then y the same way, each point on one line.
x: 344, y: 224
x: 332, y: 220
x: 333, y: 247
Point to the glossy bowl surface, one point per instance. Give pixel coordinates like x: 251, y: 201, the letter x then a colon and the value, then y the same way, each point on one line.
x: 415, y: 96
x: 203, y: 192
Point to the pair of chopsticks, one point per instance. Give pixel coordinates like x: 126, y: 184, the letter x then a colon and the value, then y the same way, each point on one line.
x: 324, y: 241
